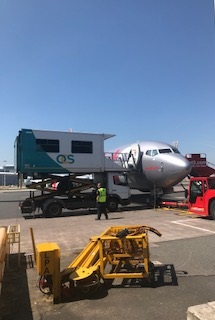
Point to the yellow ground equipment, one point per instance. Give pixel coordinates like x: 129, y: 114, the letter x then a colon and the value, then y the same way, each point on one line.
x: 119, y: 252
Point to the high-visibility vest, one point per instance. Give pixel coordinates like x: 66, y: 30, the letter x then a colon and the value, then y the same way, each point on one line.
x: 102, y: 195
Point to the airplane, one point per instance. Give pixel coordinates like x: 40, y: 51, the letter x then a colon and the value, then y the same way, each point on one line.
x: 150, y: 165
x: 154, y: 165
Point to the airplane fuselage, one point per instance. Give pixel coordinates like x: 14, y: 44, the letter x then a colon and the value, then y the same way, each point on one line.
x: 155, y: 164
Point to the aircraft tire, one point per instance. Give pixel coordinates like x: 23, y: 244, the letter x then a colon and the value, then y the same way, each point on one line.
x: 212, y: 209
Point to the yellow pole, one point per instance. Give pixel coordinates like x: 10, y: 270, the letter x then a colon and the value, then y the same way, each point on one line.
x: 101, y: 257
x: 33, y: 244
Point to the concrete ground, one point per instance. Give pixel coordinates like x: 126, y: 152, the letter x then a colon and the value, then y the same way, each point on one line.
x: 185, y: 251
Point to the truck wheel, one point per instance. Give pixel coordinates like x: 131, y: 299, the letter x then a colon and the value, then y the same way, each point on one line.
x: 112, y: 204
x: 212, y: 209
x: 53, y: 210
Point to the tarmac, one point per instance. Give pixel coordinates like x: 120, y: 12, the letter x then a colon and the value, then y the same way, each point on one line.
x: 185, y: 291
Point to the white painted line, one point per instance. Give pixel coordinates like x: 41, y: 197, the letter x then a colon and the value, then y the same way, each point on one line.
x: 201, y: 229
x: 191, y: 219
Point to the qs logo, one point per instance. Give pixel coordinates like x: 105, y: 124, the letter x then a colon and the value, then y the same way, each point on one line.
x: 65, y: 159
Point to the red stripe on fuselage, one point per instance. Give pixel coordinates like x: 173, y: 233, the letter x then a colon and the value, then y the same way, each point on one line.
x: 152, y: 168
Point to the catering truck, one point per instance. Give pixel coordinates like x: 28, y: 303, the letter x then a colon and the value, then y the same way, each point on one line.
x: 66, y: 167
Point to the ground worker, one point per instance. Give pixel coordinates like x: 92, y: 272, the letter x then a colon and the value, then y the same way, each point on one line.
x: 101, y: 196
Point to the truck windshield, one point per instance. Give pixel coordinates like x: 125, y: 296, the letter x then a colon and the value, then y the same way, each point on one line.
x: 211, y: 183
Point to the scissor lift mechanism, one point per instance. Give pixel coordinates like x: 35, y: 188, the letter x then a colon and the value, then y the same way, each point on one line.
x: 119, y: 252
x: 75, y: 186
x: 79, y: 184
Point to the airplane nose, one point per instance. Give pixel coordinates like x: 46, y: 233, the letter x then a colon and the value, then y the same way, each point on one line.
x: 183, y: 165
x: 188, y: 167
x: 180, y: 169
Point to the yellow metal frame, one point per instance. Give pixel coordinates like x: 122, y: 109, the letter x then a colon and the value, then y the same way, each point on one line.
x: 119, y: 252
x: 13, y: 236
x: 108, y: 251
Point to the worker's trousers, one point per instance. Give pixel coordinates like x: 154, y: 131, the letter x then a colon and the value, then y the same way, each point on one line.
x: 101, y: 208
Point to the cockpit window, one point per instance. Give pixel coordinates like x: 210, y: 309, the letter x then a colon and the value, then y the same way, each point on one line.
x: 175, y: 150
x: 148, y: 152
x: 165, y: 150
x: 152, y: 153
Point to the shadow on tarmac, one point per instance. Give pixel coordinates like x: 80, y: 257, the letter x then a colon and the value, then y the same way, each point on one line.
x: 138, y: 202
x: 84, y: 212
x: 15, y: 300
x: 163, y: 275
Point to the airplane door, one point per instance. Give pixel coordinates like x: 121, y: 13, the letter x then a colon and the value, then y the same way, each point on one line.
x: 134, y: 155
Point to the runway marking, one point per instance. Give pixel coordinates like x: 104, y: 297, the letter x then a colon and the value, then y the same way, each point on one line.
x: 198, y: 228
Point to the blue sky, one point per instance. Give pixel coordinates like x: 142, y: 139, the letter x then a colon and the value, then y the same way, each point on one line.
x: 140, y: 69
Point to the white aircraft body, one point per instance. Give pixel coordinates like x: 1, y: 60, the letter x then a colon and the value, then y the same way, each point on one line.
x: 154, y: 165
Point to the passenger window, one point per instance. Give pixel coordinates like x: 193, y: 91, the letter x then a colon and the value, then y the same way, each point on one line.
x: 47, y: 145
x: 81, y: 146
